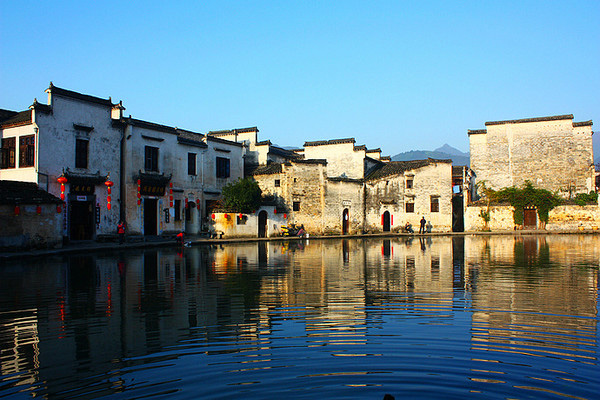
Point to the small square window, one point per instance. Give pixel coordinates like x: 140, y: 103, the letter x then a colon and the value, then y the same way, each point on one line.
x: 277, y: 182
x: 296, y: 206
x: 435, y: 204
x: 242, y: 220
x: 410, y: 207
x: 409, y: 183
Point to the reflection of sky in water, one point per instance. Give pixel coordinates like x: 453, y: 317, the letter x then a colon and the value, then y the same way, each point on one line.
x: 498, y: 316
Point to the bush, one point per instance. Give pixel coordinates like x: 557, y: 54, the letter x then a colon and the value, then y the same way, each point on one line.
x: 243, y: 195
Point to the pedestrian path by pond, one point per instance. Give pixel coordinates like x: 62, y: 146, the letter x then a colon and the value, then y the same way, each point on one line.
x: 427, y: 317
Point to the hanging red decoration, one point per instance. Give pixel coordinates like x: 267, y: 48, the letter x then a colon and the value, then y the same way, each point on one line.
x: 58, y: 209
x: 171, y: 194
x: 38, y: 210
x: 284, y: 216
x: 241, y: 216
x: 108, y: 184
x: 275, y: 211
x: 139, y: 195
x: 213, y: 216
x: 186, y: 203
x: 198, y: 204
x: 17, y: 210
x: 62, y: 180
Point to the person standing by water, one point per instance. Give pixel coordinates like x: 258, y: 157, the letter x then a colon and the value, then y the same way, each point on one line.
x: 121, y: 231
x: 422, y: 227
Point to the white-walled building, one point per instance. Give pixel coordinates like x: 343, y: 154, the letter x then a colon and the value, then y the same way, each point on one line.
x: 72, y: 136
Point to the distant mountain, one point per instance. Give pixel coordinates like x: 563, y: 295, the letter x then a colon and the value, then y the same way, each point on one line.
x: 596, y: 146
x: 446, y: 152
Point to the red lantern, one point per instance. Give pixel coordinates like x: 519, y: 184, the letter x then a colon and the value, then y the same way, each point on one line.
x: 139, y: 195
x: 108, y: 184
x: 139, y: 202
x: 17, y: 210
x: 285, y: 216
x: 186, y: 202
x: 171, y: 194
x: 58, y: 209
x: 275, y: 211
x: 198, y: 204
x: 62, y: 180
x: 241, y: 216
x: 213, y: 216
x: 38, y: 210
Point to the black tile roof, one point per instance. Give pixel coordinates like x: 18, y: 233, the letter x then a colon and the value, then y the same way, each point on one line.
x: 15, y: 192
x: 583, y: 123
x: 328, y: 142
x: 55, y: 90
x: 537, y: 119
x: 225, y: 132
x: 399, y: 167
x: 269, y: 169
x: 476, y: 131
x: 20, y: 118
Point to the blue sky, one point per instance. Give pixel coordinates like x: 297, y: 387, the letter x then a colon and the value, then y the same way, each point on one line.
x: 398, y: 75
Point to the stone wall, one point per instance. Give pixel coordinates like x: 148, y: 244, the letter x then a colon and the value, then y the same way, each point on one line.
x: 343, y: 195
x: 30, y: 230
x: 552, y: 153
x: 561, y: 218
x: 246, y: 224
x: 342, y: 159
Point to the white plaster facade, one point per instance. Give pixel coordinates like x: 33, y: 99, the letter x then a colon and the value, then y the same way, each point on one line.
x: 553, y: 153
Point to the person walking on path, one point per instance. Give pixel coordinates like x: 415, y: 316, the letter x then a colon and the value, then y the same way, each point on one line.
x: 422, y: 227
x: 121, y: 231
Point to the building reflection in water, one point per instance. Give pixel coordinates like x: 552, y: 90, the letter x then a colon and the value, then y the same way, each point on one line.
x: 84, y: 316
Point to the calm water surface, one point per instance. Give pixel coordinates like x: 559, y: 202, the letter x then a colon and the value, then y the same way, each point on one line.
x: 444, y: 317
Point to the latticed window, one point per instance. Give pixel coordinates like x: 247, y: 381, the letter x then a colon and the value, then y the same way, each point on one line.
x: 9, y: 150
x: 151, y: 160
x: 27, y: 151
x: 222, y: 167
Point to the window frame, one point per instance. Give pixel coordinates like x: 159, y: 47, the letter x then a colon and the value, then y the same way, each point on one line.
x: 80, y: 153
x: 434, y: 204
x: 296, y: 206
x: 9, y: 150
x: 277, y: 182
x: 223, y: 167
x: 151, y: 158
x: 26, y: 151
x: 192, y: 164
x: 410, y: 183
x: 177, y: 210
x: 410, y: 209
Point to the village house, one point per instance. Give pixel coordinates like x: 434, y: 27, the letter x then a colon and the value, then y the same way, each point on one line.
x: 75, y: 139
x: 105, y: 167
x: 172, y: 177
x: 401, y: 192
x: 553, y: 153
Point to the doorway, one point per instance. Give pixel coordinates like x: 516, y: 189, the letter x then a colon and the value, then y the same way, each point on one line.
x: 385, y: 221
x: 150, y: 220
x: 529, y: 218
x: 345, y: 221
x: 262, y: 224
x: 458, y: 217
x: 81, y: 217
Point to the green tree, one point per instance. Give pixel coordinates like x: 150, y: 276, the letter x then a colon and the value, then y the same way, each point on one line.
x: 542, y: 199
x: 243, y: 195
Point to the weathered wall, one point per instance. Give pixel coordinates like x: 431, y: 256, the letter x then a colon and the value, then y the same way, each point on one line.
x: 390, y: 194
x: 552, y: 154
x: 341, y: 159
x: 341, y: 195
x: 232, y: 226
x: 561, y: 218
x: 29, y: 230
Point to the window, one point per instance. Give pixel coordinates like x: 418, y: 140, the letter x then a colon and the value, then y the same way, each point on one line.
x: 27, y: 151
x: 296, y: 206
x: 191, y: 163
x: 151, y: 163
x: 242, y: 220
x: 9, y: 150
x: 435, y: 204
x: 409, y: 183
x: 81, y: 153
x: 277, y: 183
x: 410, y: 207
x: 222, y: 167
x: 177, y: 210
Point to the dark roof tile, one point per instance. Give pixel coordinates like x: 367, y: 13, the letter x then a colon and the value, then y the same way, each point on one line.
x: 15, y: 192
x: 399, y: 167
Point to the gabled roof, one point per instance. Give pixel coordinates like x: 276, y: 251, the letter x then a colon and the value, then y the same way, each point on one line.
x: 55, y: 90
x: 13, y: 118
x: 328, y: 142
x: 269, y: 169
x: 226, y: 132
x: 16, y: 192
x: 537, y: 119
x: 399, y: 167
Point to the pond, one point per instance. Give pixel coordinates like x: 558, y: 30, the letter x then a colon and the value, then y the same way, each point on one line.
x: 452, y: 317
